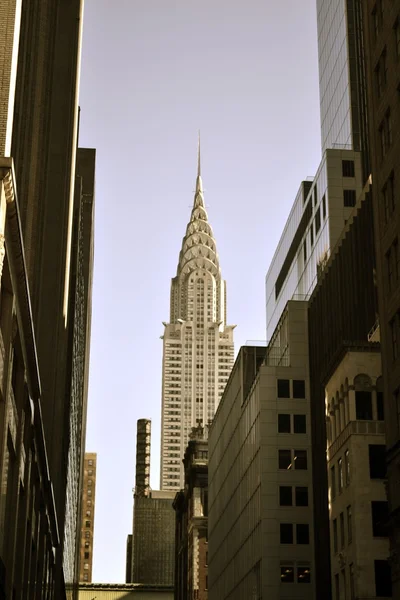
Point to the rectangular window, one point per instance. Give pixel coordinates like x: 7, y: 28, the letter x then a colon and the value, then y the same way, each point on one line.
x: 323, y: 204
x: 317, y: 220
x: 333, y: 483
x: 299, y: 423
x: 312, y: 235
x: 344, y: 585
x: 285, y: 495
x: 305, y: 250
x: 342, y: 533
x: 377, y: 461
x: 299, y: 388
x: 340, y: 475
x: 383, y: 579
x: 86, y: 555
x: 380, y: 515
x: 352, y: 586
x: 349, y: 524
x: 284, y: 424
x: 301, y: 496
x: 347, y: 466
x: 337, y: 587
x: 348, y: 168
x: 285, y: 459
x: 349, y: 198
x: 300, y: 459
x: 286, y: 533
x: 283, y: 388
x: 335, y: 536
x: 302, y: 533
x: 287, y: 574
x: 363, y: 406
x: 303, y: 574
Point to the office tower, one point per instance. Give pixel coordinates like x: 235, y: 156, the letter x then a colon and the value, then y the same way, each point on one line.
x: 382, y: 49
x: 152, y: 545
x: 88, y: 512
x: 356, y: 469
x: 47, y: 278
x: 197, y: 343
x: 261, y: 528
x: 191, y: 508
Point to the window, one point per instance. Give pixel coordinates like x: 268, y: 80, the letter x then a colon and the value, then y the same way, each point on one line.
x: 305, y: 250
x: 317, y: 220
x: 333, y: 483
x: 300, y: 459
x: 380, y: 515
x: 301, y: 496
x: 352, y: 586
x: 285, y: 459
x: 349, y: 198
x: 315, y: 194
x: 335, y: 536
x: 286, y: 533
x: 283, y: 388
x: 302, y: 533
x: 342, y: 534
x: 312, y: 234
x: 87, y: 524
x: 377, y: 461
x: 284, y: 424
x: 348, y: 168
x: 85, y: 577
x: 349, y: 524
x: 87, y: 534
x: 385, y: 133
x: 299, y: 423
x: 363, y: 406
x: 86, y: 566
x: 206, y: 582
x: 347, y: 466
x: 323, y: 204
x: 303, y: 575
x: 285, y: 495
x: 396, y: 29
x: 86, y: 555
x: 337, y: 587
x: 299, y: 388
x: 287, y: 574
x: 389, y: 256
x: 340, y: 475
x: 90, y: 463
x: 87, y: 545
x: 344, y: 586
x: 383, y: 579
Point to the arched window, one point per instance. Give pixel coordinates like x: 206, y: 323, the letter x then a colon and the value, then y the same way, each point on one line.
x: 363, y: 393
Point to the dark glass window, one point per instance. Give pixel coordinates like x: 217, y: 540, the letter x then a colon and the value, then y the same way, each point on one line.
x: 342, y: 532
x: 333, y: 483
x: 380, y: 515
x: 300, y: 459
x: 301, y: 496
x: 299, y: 388
x: 86, y: 555
x: 364, y: 406
x: 285, y: 495
x: 349, y: 524
x: 383, y: 579
x: 312, y: 234
x: 377, y: 461
x: 287, y: 574
x: 285, y: 459
x: 286, y: 533
x: 283, y: 388
x: 335, y: 536
x: 87, y: 523
x: 305, y: 249
x: 302, y: 533
x: 283, y: 423
x: 317, y: 220
x: 349, y: 198
x: 379, y: 406
x: 303, y: 575
x: 299, y: 423
x: 348, y: 168
x: 323, y: 203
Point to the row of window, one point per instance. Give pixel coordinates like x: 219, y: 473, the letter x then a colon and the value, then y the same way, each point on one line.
x: 292, y: 423
x: 292, y: 459
x: 291, y: 573
x: 342, y: 531
x: 291, y: 388
x: 287, y: 492
x: 383, y: 583
x: 302, y: 531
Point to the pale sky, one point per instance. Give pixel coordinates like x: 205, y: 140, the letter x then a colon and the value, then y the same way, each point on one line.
x: 154, y: 72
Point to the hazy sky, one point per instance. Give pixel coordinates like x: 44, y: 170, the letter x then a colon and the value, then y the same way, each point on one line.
x: 244, y: 72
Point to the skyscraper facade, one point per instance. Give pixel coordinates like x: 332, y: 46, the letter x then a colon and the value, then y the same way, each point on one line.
x: 87, y: 526
x: 197, y: 343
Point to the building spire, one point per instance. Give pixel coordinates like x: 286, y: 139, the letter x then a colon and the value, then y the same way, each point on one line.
x: 199, y: 183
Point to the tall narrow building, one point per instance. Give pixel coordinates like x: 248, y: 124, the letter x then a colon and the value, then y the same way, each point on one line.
x: 197, y: 343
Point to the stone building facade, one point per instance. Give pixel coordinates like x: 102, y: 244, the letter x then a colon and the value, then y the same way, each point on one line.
x: 191, y: 508
x: 356, y: 474
x: 88, y: 513
x: 261, y: 528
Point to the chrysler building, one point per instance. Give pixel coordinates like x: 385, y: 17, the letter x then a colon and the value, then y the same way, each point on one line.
x: 198, y: 349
